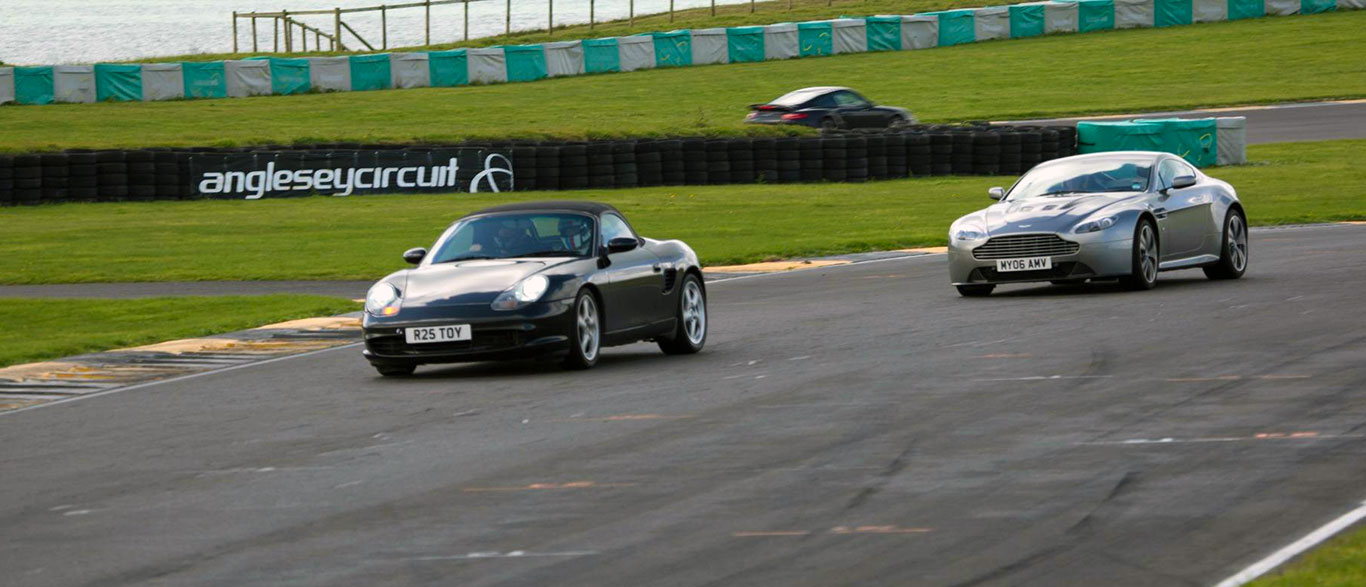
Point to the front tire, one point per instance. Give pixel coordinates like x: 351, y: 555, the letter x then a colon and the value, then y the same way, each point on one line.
x: 1233, y: 254
x: 975, y: 291
x: 690, y: 332
x: 586, y: 340
x: 1143, y: 274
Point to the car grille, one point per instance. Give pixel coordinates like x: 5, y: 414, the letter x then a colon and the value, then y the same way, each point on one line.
x: 491, y: 340
x: 1024, y: 245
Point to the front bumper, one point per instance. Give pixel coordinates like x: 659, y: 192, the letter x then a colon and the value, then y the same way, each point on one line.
x: 538, y: 329
x: 1094, y: 258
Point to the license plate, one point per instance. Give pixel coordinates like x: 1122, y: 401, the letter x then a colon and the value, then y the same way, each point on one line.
x: 1024, y: 264
x: 426, y: 334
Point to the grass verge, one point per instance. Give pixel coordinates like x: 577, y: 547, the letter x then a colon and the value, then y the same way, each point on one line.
x: 1339, y: 563
x: 362, y: 237
x: 1242, y: 62
x: 38, y: 329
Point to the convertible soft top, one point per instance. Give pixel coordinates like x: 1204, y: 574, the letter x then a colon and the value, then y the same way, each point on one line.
x: 571, y: 205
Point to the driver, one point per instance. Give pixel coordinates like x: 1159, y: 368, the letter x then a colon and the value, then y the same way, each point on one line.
x: 576, y: 234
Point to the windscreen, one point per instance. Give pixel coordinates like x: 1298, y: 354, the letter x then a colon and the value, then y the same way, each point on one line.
x: 1083, y: 177
x: 505, y: 236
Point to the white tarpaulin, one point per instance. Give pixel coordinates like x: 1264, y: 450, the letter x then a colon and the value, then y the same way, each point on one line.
x: 1209, y: 10
x: 636, y: 52
x: 162, y: 81
x: 1231, y: 138
x: 992, y: 22
x: 849, y: 35
x: 73, y: 83
x: 710, y: 46
x: 919, y: 32
x: 6, y: 85
x: 329, y: 74
x: 1282, y: 7
x: 563, y: 58
x: 247, y: 78
x: 1351, y: 4
x: 409, y: 70
x: 487, y: 66
x: 780, y: 41
x: 1061, y: 17
x: 1131, y: 14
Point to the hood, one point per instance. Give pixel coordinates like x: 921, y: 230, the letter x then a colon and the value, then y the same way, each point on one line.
x: 1051, y: 214
x: 476, y: 281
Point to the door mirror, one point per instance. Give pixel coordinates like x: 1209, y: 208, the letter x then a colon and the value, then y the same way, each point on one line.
x: 415, y: 256
x: 622, y: 244
x: 996, y: 193
x: 1183, y: 181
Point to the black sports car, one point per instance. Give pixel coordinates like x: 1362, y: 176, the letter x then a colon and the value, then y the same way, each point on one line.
x: 829, y: 108
x: 538, y: 278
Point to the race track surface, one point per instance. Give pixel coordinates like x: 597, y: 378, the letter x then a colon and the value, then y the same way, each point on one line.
x: 858, y: 425
x: 1279, y: 123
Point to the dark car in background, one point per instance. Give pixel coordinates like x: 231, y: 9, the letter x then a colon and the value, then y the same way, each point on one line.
x: 828, y: 108
x: 532, y: 279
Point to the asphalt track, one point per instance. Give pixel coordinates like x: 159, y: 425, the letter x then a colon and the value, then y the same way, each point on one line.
x: 1279, y: 123
x: 857, y: 425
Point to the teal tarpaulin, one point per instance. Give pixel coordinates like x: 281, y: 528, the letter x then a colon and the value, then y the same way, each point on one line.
x: 1026, y: 20
x: 525, y: 62
x: 1171, y: 12
x: 1317, y: 6
x: 601, y: 55
x: 1195, y: 140
x: 883, y: 32
x: 1240, y: 9
x: 370, y: 72
x: 289, y: 76
x: 205, y: 80
x: 955, y: 27
x: 33, y: 85
x: 815, y: 39
x: 122, y: 83
x: 673, y: 49
x: 745, y: 44
x: 448, y: 68
x: 1095, y: 15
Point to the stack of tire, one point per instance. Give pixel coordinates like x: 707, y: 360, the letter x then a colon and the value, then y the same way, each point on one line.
x: 525, y: 172
x: 574, y: 166
x: 766, y: 161
x: 897, y: 164
x: 601, y: 173
x: 547, y: 167
x: 919, y: 154
x: 142, y: 175
x: 82, y: 176
x: 671, y: 163
x: 695, y: 161
x: 986, y: 153
x: 811, y: 159
x: 718, y: 161
x: 111, y: 175
x: 835, y: 160
x: 6, y: 180
x: 54, y: 183
x: 625, y: 170
x: 649, y: 164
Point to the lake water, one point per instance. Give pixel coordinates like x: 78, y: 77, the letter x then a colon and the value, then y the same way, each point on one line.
x: 41, y: 32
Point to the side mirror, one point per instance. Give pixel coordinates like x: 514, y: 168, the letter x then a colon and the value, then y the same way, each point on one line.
x: 1183, y: 181
x: 622, y: 244
x: 415, y: 256
x: 996, y: 193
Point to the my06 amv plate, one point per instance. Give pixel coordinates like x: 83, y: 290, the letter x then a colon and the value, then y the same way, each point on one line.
x: 447, y: 333
x: 1024, y: 264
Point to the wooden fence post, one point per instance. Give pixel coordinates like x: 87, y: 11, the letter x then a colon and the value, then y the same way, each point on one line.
x: 507, y: 21
x: 253, y: 35
x: 671, y: 10
x: 633, y: 13
x: 234, y: 31
x: 428, y: 7
x: 591, y: 6
x: 336, y: 28
x: 275, y: 36
x: 384, y: 26
x: 550, y: 18
x: 467, y: 20
x: 713, y: 7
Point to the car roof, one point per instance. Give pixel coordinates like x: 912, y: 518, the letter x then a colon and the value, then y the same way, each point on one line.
x: 593, y: 208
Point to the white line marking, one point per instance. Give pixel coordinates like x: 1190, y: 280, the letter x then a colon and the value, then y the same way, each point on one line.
x: 801, y: 271
x: 511, y: 554
x: 1049, y: 378
x: 178, y: 379
x: 1293, y: 549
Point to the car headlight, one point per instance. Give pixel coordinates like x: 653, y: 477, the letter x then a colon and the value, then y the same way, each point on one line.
x: 968, y: 234
x: 1096, y: 225
x: 382, y: 300
x: 526, y: 291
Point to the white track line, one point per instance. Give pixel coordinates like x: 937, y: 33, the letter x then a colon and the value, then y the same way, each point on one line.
x: 1293, y: 549
x: 178, y: 379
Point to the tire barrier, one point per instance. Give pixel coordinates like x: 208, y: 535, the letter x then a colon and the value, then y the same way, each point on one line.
x: 520, y: 63
x: 356, y: 169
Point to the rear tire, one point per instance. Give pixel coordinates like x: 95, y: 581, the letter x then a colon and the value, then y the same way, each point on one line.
x: 828, y: 123
x: 585, y: 342
x: 395, y: 370
x: 975, y: 291
x: 1143, y: 274
x: 1233, y: 254
x: 690, y: 332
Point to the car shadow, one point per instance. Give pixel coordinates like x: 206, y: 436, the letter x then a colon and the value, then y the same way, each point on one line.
x: 610, y: 359
x: 1043, y: 290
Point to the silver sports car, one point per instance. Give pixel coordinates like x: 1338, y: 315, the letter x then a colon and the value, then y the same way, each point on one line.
x: 1124, y: 215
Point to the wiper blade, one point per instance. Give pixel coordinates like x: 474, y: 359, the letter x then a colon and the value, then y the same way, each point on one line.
x: 550, y: 254
x: 467, y: 258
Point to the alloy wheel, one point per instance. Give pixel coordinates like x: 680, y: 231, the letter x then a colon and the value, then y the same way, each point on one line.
x: 694, y: 312
x: 587, y: 319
